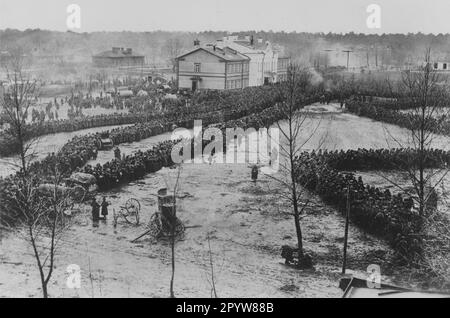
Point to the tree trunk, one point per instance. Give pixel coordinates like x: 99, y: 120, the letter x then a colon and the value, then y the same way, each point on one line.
x: 172, y: 243
x: 22, y: 151
x: 296, y: 212
x: 299, y: 231
x: 44, y: 290
x: 39, y: 264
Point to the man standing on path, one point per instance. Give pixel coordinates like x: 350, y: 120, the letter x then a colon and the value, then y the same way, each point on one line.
x: 95, y: 213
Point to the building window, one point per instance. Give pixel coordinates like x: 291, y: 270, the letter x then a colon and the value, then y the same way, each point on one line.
x: 444, y: 66
x: 197, y: 67
x: 436, y: 66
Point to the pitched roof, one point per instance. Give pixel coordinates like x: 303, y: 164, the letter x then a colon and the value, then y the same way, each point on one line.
x: 245, y: 46
x: 226, y: 53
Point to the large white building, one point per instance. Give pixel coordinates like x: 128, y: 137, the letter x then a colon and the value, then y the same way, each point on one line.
x: 231, y: 63
x: 267, y: 64
x: 211, y: 67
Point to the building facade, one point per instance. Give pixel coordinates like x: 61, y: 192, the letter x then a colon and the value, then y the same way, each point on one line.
x: 282, y: 69
x: 211, y: 67
x: 264, y: 58
x: 441, y: 66
x: 118, y: 57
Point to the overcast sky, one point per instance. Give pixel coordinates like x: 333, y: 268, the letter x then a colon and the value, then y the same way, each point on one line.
x: 397, y: 16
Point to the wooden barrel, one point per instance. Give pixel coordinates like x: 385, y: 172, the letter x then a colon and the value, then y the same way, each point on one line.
x: 169, y: 211
x: 165, y: 198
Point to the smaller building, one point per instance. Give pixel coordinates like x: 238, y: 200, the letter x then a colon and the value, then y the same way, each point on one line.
x: 211, y: 67
x: 118, y: 57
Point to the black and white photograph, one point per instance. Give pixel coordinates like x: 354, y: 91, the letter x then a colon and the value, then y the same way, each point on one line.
x: 236, y: 152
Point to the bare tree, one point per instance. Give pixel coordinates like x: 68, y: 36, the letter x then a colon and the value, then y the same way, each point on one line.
x: 39, y: 210
x: 172, y: 223
x: 42, y: 221
x: 296, y: 132
x: 428, y: 99
x: 15, y: 105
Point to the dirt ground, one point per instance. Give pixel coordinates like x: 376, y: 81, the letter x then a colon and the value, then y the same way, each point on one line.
x: 246, y: 225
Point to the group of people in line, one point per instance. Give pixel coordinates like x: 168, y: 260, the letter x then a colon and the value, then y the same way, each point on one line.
x: 131, y: 167
x: 379, y: 212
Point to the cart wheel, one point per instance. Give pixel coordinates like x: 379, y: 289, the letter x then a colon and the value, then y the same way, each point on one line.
x: 78, y: 193
x: 155, y: 226
x: 179, y: 227
x: 131, y: 211
x: 133, y: 206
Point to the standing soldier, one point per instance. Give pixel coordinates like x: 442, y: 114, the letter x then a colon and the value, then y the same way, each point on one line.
x: 95, y: 213
x: 117, y: 153
x: 104, y: 208
x: 254, y: 173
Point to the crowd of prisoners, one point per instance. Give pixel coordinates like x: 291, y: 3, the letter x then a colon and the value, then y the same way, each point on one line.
x: 325, y: 173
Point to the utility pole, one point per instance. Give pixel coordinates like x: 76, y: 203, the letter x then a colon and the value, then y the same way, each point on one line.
x: 347, y: 216
x: 376, y: 57
x: 348, y: 56
x: 367, y: 56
